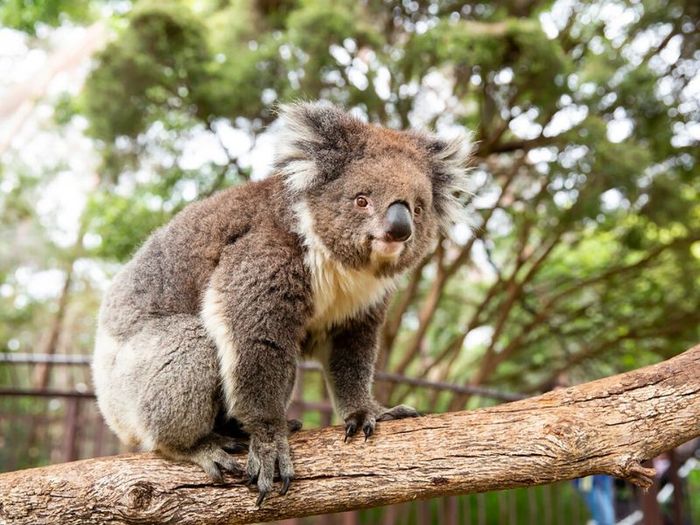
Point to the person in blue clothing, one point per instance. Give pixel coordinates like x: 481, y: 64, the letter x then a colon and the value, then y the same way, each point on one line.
x: 597, y: 492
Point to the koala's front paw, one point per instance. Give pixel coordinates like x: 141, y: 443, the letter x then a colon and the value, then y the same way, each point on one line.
x: 269, y: 446
x: 366, y: 419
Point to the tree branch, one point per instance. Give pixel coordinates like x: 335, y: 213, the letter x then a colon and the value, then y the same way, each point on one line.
x: 607, y: 426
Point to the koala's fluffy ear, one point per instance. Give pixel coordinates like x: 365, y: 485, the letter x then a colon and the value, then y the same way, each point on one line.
x: 449, y: 159
x: 316, y: 143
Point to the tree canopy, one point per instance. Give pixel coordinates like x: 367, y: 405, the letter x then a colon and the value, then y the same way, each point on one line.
x: 583, y: 254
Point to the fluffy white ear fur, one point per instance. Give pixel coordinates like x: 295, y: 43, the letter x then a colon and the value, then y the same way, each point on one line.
x: 297, y: 139
x: 451, y: 158
x: 309, y: 127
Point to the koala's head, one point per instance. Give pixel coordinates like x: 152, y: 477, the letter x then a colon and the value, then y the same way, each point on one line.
x: 374, y: 197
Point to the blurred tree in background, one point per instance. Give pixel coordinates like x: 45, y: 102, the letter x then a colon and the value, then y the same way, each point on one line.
x: 583, y: 256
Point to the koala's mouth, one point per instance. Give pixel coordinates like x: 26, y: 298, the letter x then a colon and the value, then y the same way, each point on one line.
x: 386, y: 249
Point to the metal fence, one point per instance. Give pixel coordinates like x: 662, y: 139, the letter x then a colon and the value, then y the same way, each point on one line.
x: 61, y: 423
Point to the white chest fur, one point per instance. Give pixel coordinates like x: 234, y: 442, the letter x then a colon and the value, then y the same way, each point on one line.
x: 339, y: 293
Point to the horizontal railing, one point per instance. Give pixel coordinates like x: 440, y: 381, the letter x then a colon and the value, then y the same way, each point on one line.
x: 85, y: 360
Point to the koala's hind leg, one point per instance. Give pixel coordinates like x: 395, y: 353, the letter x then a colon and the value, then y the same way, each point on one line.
x: 179, y: 397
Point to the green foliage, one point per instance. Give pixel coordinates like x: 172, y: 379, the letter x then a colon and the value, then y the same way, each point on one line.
x: 550, y: 502
x: 159, y: 65
x: 589, y: 262
x: 538, y: 64
x: 587, y: 258
x: 176, y: 68
x: 121, y: 224
x: 13, y: 433
x: 26, y: 14
x: 693, y: 488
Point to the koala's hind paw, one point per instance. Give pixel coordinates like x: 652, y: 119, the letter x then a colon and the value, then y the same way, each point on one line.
x: 269, y: 446
x: 367, y: 419
x: 208, y: 454
x: 217, y: 460
x: 294, y: 425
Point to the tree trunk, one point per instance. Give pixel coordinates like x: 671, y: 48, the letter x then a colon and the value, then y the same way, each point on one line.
x: 607, y: 426
x: 42, y: 371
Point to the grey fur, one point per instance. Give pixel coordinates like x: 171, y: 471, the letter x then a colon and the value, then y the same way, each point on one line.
x: 205, y: 325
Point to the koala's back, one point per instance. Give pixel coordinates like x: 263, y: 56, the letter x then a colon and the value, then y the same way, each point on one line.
x: 151, y: 344
x: 170, y: 272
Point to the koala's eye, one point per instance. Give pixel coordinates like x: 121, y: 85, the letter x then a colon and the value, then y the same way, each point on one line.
x: 418, y: 210
x: 361, y: 201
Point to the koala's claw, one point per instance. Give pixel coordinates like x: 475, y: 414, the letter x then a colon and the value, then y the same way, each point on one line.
x: 285, y: 485
x: 367, y: 419
x: 269, y: 447
x: 261, y: 498
x: 350, y: 429
x: 359, y: 419
x: 214, y: 472
x: 368, y: 430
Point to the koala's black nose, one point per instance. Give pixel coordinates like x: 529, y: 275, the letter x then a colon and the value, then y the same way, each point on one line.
x: 398, y: 225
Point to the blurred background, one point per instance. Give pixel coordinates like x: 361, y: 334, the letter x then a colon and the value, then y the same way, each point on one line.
x: 581, y: 258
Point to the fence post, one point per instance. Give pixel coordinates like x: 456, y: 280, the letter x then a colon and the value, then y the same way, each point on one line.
x: 678, y: 496
x: 648, y: 502
x: 70, y: 442
x: 450, y: 510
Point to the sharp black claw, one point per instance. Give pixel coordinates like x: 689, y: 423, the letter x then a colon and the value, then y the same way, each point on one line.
x: 215, y: 474
x: 350, y: 430
x: 261, y: 498
x: 217, y: 479
x: 285, y: 486
x: 368, y: 430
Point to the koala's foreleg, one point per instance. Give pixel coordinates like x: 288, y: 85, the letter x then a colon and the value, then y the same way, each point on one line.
x: 257, y: 323
x: 263, y: 379
x: 349, y: 370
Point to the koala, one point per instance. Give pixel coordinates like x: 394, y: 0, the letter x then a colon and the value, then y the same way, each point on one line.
x: 202, y: 330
